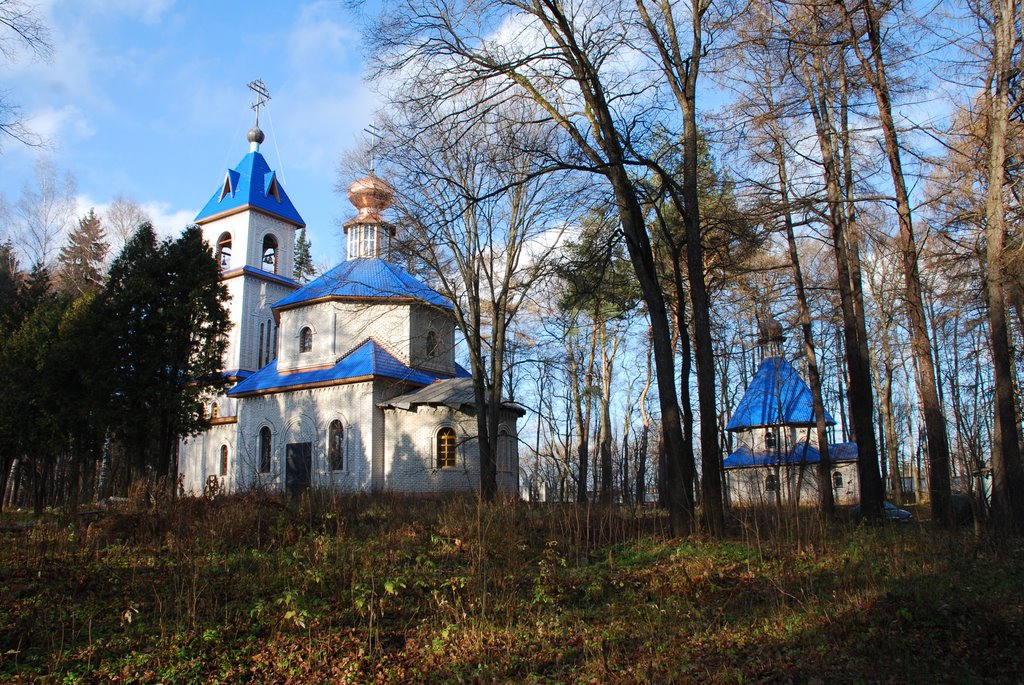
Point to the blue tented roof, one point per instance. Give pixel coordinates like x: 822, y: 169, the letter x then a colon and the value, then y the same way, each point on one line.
x: 802, y: 453
x: 361, y: 279
x: 251, y: 184
x: 777, y: 396
x: 368, y: 360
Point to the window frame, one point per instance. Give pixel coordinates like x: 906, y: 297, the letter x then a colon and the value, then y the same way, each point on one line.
x: 224, y: 250
x: 266, y: 447
x: 306, y: 340
x: 446, y: 448
x: 271, y: 244
x: 336, y: 446
x: 771, y: 483
x: 837, y: 480
x: 223, y: 471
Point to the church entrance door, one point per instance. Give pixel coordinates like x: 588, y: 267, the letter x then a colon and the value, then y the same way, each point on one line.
x: 298, y: 466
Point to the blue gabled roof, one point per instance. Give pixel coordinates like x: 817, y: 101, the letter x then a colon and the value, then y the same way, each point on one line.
x: 249, y: 185
x: 802, y: 453
x: 260, y: 273
x: 777, y: 396
x: 361, y: 279
x: 369, y: 359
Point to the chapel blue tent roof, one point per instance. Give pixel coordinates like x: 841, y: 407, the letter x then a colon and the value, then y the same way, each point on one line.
x: 368, y: 360
x: 802, y: 453
x: 361, y: 279
x: 777, y: 396
x: 252, y: 184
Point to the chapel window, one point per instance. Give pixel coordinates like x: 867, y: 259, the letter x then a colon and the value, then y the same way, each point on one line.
x: 837, y: 480
x: 445, y: 448
x: 265, y: 450
x: 306, y: 339
x: 504, y: 450
x: 770, y: 441
x: 771, y: 483
x: 336, y: 446
x: 270, y: 350
x: 259, y: 362
x: 224, y: 250
x: 270, y: 254
x: 214, y: 411
x: 223, y: 460
x: 433, y: 344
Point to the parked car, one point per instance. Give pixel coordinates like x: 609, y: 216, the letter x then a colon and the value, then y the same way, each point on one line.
x: 889, y: 510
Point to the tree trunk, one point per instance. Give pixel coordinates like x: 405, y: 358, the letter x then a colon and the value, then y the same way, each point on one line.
x: 1007, y: 474
x: 850, y: 294
x: 827, y: 499
x: 934, y: 417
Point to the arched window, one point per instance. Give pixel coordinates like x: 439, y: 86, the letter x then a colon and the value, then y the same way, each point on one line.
x: 504, y: 450
x: 306, y: 339
x: 445, y: 448
x: 769, y: 439
x: 259, y: 355
x: 837, y: 480
x: 214, y: 411
x: 224, y: 250
x: 433, y: 344
x: 270, y: 350
x: 771, y: 483
x: 265, y: 449
x: 223, y: 460
x: 336, y: 446
x: 270, y: 254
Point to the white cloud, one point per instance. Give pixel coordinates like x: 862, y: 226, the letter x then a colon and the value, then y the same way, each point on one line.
x: 55, y: 124
x: 167, y: 221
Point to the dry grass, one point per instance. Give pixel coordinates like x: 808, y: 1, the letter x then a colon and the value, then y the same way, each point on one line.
x: 358, y: 589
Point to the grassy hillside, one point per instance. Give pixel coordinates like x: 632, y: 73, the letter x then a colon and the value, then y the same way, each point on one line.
x: 359, y: 589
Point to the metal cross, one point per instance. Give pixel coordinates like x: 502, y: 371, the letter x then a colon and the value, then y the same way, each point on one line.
x: 375, y: 138
x: 262, y: 96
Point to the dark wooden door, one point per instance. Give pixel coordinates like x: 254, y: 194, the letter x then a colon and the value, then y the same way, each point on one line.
x: 298, y: 466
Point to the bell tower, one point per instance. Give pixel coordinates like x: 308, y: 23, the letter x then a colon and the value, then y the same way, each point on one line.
x: 250, y: 222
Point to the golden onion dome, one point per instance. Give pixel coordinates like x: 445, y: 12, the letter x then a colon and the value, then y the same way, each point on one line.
x: 371, y: 196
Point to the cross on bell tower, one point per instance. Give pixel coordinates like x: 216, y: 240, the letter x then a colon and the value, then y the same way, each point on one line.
x: 262, y: 96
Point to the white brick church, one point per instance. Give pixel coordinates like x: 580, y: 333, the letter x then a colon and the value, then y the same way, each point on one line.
x: 348, y: 382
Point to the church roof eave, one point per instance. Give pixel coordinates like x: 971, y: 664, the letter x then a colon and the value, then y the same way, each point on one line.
x: 367, y: 362
x: 364, y: 280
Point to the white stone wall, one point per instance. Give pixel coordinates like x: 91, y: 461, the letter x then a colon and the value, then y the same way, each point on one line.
x: 423, y: 320
x: 787, y: 436
x: 410, y: 461
x: 304, y: 416
x: 247, y: 230
x: 748, y: 486
x: 199, y: 458
x: 340, y: 327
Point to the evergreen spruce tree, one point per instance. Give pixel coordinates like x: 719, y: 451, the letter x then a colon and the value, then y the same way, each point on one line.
x: 304, y: 269
x: 164, y: 328
x: 10, y: 280
x: 81, y: 259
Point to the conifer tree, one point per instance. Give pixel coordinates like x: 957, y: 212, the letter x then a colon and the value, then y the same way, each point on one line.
x: 164, y: 324
x: 81, y: 259
x: 304, y: 269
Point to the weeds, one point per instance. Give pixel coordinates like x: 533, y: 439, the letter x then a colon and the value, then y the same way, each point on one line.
x: 357, y: 589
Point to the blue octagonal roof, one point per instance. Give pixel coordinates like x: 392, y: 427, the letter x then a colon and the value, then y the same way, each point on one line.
x: 776, y: 396
x: 367, y: 360
x: 361, y: 279
x: 252, y: 184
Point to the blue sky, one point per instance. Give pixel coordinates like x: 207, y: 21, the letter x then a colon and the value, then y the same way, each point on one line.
x: 147, y: 99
